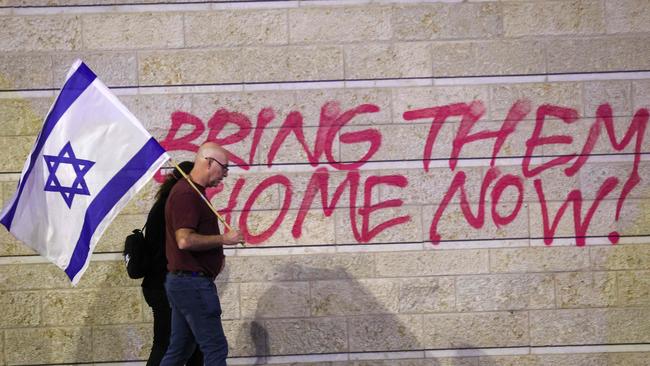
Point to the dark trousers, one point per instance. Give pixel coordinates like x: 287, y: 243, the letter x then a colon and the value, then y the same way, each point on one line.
x: 162, y: 325
x: 196, y: 319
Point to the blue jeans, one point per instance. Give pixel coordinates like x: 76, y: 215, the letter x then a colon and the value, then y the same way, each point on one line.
x: 196, y: 319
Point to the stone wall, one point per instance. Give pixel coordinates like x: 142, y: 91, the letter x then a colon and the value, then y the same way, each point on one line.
x: 420, y: 183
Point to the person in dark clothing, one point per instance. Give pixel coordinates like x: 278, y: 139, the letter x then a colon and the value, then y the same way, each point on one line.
x: 153, y: 284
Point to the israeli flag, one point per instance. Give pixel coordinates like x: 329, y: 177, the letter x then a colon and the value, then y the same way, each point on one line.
x: 91, y: 157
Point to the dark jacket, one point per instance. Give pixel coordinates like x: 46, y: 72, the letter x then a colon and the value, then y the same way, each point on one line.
x: 155, y: 235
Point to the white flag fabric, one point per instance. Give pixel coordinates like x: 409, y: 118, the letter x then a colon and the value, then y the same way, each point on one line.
x: 91, y: 157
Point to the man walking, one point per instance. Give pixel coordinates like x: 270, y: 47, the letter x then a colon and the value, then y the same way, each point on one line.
x: 194, y: 248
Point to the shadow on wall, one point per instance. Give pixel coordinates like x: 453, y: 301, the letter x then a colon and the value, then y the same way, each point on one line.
x: 331, y: 312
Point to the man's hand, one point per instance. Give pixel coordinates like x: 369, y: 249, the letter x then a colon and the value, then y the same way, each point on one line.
x: 233, y: 237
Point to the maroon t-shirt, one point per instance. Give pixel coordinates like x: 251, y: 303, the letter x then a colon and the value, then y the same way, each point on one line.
x: 186, y: 209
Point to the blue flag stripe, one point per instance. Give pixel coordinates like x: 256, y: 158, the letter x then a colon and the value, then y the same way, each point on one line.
x: 108, y: 197
x: 73, y: 88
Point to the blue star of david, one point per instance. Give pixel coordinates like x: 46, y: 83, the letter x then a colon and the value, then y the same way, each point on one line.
x: 80, y: 166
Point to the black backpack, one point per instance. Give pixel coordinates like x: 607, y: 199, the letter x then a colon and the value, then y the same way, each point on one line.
x: 136, y: 258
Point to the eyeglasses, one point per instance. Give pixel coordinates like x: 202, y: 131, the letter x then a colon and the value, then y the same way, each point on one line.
x: 223, y: 166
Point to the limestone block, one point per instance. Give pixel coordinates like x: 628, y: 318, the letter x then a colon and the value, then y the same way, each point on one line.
x: 112, y: 68
x: 629, y: 358
x: 635, y: 217
x: 399, y: 142
x: 31, y: 277
x: 641, y: 94
x: 308, y: 364
x: 229, y: 295
x: 11, y: 245
x: 335, y: 179
x: 20, y: 309
x: 437, y: 361
x: 592, y: 177
x: 447, y: 21
x: 506, y: 292
x: 292, y: 151
x: 132, y: 31
x: 487, y: 58
x: 235, y: 28
x: 396, y: 362
x: 431, y: 263
x: 585, y: 289
x: 546, y: 360
x: 589, y: 326
x: 577, y: 131
x: 40, y: 33
x: 218, y: 112
x: 20, y: 71
x: 380, y: 60
x: 155, y: 112
x: 250, y: 104
x: 316, y: 228
x: 339, y: 24
x: 642, y: 189
x: 121, y: 342
x: 313, y: 335
x: 113, y: 238
x: 504, y: 96
x: 555, y: 184
x: 48, y: 345
x: 408, y: 231
x: 616, y: 93
x: 513, y: 146
x: 634, y: 288
x: 15, y: 150
x: 81, y: 307
x: 457, y: 361
x: 412, y: 99
x: 246, y: 338
x: 354, y: 297
x: 23, y: 116
x: 312, y: 103
x: 332, y: 266
x: 484, y: 329
x: 455, y: 58
x: 627, y: 16
x: 619, y: 257
x: 385, y: 333
x: 427, y: 295
x: 598, y: 54
x: 539, y: 259
x: 274, y: 300
x: 291, y: 63
x: 453, y: 224
x: 553, y: 18
x: 602, y: 222
x: 102, y: 274
x: 426, y: 188
x: 298, y: 267
x: 189, y: 67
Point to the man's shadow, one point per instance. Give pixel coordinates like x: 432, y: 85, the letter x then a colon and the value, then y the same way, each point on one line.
x: 330, y: 311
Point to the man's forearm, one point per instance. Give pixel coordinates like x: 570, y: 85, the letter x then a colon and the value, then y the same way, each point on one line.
x: 199, y: 242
